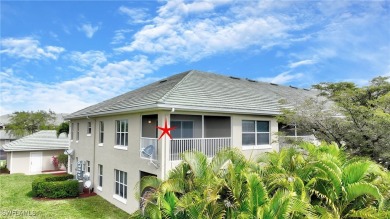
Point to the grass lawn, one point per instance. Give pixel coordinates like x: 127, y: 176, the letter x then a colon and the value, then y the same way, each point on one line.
x: 15, y: 195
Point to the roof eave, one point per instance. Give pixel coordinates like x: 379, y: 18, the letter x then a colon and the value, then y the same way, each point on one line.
x: 34, y: 149
x: 219, y: 110
x: 163, y: 106
x: 115, y: 112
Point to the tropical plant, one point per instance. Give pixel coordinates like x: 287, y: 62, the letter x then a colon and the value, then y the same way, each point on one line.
x: 355, y: 117
x: 336, y: 185
x: 63, y: 160
x: 228, y: 186
x: 63, y: 128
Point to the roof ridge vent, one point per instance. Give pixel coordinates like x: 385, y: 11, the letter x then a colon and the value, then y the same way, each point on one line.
x: 274, y: 84
x: 234, y: 78
x: 293, y: 87
x: 250, y: 80
x: 306, y: 89
x: 162, y: 81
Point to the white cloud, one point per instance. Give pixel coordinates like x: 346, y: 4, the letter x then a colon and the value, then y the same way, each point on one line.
x: 282, y: 78
x: 180, y: 7
x: 28, y: 48
x: 88, y: 29
x: 88, y: 58
x: 120, y: 36
x: 300, y: 63
x: 136, y: 15
x: 195, y: 39
x: 101, y: 82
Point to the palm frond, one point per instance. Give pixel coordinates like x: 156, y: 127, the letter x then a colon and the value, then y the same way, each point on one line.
x: 168, y: 205
x: 367, y: 213
x: 197, y: 162
x: 257, y: 193
x: 354, y: 172
x: 361, y: 188
x: 149, y: 182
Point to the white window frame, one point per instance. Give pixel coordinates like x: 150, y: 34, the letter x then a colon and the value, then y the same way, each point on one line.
x: 100, y: 177
x: 89, y: 128
x: 78, y: 132
x: 121, y: 184
x: 88, y: 167
x: 101, y: 133
x: 256, y: 145
x: 71, y: 131
x: 123, y: 143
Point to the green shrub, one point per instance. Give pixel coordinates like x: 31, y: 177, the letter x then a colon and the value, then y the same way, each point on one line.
x: 63, y: 160
x: 52, y: 178
x: 59, y: 186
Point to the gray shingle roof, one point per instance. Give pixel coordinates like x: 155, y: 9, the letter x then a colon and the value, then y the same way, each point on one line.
x: 42, y: 140
x: 201, y: 91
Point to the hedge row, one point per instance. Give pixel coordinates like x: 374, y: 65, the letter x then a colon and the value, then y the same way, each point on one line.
x: 60, y: 186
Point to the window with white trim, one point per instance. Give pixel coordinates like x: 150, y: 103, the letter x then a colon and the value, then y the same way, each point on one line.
x: 101, y: 132
x: 183, y: 129
x: 71, y: 130
x: 255, y: 133
x: 89, y: 128
x: 88, y: 166
x: 78, y: 132
x: 121, y: 184
x: 100, y: 175
x: 122, y: 133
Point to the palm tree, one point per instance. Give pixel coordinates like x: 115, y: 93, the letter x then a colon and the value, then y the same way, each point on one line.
x: 335, y: 185
x: 228, y: 186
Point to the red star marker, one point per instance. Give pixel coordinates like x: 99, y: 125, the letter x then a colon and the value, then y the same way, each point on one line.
x: 165, y: 130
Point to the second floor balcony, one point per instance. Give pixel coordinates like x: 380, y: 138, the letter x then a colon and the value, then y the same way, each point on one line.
x: 207, y: 134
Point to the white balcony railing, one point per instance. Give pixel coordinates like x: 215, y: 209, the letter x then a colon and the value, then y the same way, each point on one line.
x: 208, y: 146
x: 148, y: 148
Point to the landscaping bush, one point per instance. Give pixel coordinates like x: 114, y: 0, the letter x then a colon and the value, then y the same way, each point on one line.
x: 59, y: 186
x: 63, y: 160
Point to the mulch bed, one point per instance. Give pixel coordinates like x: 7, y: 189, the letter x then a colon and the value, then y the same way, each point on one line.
x: 4, y: 171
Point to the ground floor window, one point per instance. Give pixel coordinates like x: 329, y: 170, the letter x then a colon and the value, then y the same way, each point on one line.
x: 100, y: 174
x: 121, y: 183
x: 88, y: 166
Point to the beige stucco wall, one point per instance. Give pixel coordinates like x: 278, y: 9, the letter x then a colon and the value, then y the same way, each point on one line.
x: 19, y: 161
x: 112, y: 158
x: 87, y: 148
x: 237, y: 135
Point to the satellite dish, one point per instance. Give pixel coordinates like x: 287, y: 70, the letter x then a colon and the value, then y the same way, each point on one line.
x: 148, y: 151
x: 87, y: 184
x: 86, y: 176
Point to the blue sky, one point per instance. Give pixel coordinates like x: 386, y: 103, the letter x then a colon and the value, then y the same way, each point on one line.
x: 66, y: 55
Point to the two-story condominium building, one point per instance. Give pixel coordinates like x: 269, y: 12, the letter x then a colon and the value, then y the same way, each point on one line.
x: 117, y: 139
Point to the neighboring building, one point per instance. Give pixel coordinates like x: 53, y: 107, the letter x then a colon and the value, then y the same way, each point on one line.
x: 4, y: 139
x: 32, y: 154
x: 116, y: 141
